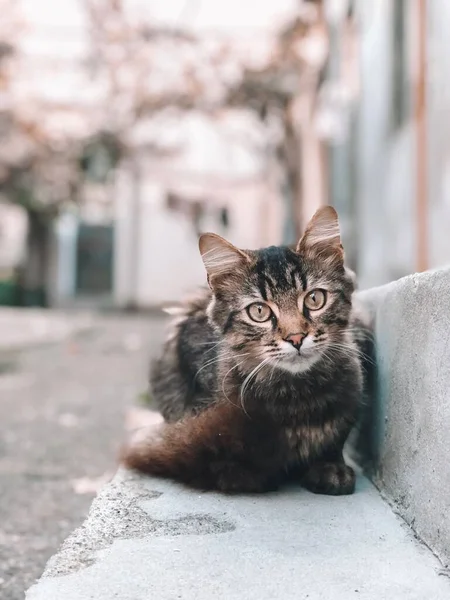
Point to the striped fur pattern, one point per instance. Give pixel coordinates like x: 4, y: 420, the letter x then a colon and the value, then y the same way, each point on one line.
x: 249, y: 403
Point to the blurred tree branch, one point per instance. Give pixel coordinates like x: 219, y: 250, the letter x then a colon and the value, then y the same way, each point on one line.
x: 141, y: 69
x: 151, y: 69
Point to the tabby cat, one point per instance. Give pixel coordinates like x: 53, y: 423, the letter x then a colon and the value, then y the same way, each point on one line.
x: 261, y: 380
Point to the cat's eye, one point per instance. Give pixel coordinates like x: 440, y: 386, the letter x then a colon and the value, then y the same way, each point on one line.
x: 259, y: 312
x: 315, y: 299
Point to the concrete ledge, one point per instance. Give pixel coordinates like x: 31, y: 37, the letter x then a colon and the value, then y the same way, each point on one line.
x: 412, y: 412
x: 148, y: 539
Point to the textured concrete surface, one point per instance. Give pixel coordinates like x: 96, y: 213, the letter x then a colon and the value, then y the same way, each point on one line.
x: 63, y: 408
x: 412, y: 321
x: 147, y: 539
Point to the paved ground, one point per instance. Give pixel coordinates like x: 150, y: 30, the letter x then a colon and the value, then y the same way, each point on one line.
x: 147, y: 539
x: 62, y: 414
x: 63, y: 408
x: 32, y: 327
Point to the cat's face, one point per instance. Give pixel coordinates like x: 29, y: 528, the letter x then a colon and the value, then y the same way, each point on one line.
x: 280, y: 307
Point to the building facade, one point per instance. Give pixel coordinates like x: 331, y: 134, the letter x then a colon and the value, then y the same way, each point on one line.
x: 388, y: 175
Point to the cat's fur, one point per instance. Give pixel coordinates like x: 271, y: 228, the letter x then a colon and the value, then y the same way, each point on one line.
x: 245, y: 409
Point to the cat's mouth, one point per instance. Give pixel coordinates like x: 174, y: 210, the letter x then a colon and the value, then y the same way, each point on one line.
x: 298, y: 361
x: 305, y: 350
x: 298, y: 356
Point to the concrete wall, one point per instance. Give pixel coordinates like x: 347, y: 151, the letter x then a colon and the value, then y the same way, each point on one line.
x: 412, y: 413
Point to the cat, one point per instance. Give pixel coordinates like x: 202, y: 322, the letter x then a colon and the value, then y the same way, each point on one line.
x: 261, y: 380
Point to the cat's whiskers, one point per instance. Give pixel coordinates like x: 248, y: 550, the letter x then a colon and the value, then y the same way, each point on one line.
x: 349, y: 349
x: 216, y: 359
x: 212, y: 348
x: 274, y: 366
x: 251, y: 376
x: 329, y: 348
x: 350, y: 346
x: 225, y: 376
x: 222, y: 355
x: 226, y: 354
x: 361, y: 332
x: 328, y: 356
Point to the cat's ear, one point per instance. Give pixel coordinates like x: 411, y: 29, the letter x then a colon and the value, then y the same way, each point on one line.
x: 220, y: 257
x: 322, y: 237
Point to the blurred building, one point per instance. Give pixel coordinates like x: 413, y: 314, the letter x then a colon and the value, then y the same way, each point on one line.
x: 163, y: 204
x: 118, y: 240
x: 141, y: 249
x: 172, y: 123
x: 388, y: 137
x: 13, y: 226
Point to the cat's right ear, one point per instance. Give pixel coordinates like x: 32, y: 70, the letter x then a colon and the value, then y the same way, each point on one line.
x: 322, y: 238
x: 220, y: 257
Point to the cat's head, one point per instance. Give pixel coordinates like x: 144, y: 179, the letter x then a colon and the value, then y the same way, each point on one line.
x: 287, y: 307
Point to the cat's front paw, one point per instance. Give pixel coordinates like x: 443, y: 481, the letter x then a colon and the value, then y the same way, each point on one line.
x: 335, y: 479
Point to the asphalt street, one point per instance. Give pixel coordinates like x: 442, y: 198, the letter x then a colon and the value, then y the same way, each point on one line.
x: 64, y: 411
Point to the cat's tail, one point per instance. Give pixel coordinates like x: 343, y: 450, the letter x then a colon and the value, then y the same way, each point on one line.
x: 188, y: 449
x: 221, y: 448
x: 145, y: 452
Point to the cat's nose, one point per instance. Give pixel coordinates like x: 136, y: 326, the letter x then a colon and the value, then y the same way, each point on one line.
x: 295, y: 339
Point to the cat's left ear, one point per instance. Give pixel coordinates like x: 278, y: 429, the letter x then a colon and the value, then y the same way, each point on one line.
x: 322, y: 238
x: 220, y: 257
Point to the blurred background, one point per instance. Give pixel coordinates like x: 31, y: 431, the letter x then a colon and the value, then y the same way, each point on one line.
x: 129, y: 126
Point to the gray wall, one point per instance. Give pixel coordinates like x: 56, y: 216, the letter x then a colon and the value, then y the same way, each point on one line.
x: 372, y: 174
x: 439, y: 130
x: 412, y: 410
